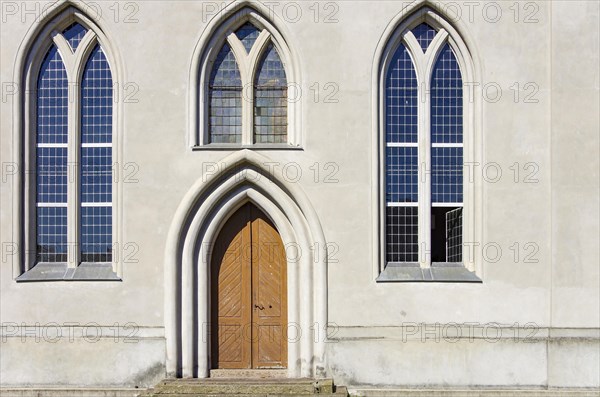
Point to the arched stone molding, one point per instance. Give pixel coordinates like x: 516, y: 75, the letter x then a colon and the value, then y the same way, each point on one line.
x: 54, y: 18
x: 454, y: 32
x: 227, y: 21
x: 243, y: 176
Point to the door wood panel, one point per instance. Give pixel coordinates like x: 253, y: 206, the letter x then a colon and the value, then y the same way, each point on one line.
x: 231, y: 294
x: 249, y: 294
x: 269, y: 295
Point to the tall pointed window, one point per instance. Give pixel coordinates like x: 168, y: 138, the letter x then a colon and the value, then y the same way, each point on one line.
x: 245, y: 87
x: 72, y: 142
x: 422, y: 125
x: 248, y: 116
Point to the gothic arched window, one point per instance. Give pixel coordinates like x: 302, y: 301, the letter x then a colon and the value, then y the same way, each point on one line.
x: 69, y: 196
x: 422, y: 129
x: 246, y: 94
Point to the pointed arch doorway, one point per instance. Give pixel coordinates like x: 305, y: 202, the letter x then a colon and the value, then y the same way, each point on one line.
x: 248, y: 293
x: 196, y: 224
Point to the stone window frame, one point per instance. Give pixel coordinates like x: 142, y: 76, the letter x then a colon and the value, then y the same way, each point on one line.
x: 399, y: 31
x: 25, y: 267
x: 222, y: 30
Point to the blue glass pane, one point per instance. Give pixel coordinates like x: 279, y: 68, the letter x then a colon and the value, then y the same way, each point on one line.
x: 271, y: 72
x: 446, y: 99
x: 52, y: 99
x: 51, y: 234
x: 96, y: 234
x: 74, y: 34
x: 96, y: 161
x: 402, y: 175
x: 402, y: 234
x: 225, y: 72
x: 51, y: 173
x: 270, y: 99
x: 424, y: 35
x: 96, y: 174
x: 401, y: 99
x: 247, y: 35
x: 51, y: 160
x: 96, y: 100
x: 446, y: 174
x: 225, y: 99
x: 225, y: 123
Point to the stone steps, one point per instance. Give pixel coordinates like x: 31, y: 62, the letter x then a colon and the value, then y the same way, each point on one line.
x: 339, y: 392
x: 245, y: 387
x: 248, y: 373
x: 68, y: 392
x: 473, y: 393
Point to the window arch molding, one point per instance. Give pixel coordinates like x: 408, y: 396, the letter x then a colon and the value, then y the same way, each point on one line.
x: 40, y: 38
x: 212, y: 39
x: 455, y: 35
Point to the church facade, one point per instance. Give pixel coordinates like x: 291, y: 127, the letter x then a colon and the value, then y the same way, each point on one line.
x: 387, y: 193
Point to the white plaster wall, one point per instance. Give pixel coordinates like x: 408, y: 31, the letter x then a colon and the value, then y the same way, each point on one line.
x: 438, y: 363
x: 575, y: 178
x: 558, y: 53
x: 80, y: 362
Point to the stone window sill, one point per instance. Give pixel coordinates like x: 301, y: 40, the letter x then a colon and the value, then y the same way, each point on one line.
x: 50, y: 271
x: 437, y: 273
x: 257, y: 146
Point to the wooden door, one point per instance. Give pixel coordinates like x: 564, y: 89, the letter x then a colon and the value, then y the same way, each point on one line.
x: 249, y: 294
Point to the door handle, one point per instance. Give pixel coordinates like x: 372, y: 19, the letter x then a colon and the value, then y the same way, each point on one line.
x: 260, y: 307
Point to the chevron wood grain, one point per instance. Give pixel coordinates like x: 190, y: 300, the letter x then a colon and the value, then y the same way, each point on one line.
x: 249, y: 294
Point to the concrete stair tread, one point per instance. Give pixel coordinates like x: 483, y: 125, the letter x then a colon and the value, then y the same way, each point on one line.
x: 392, y: 392
x: 56, y: 391
x: 243, y: 380
x: 339, y: 393
x: 248, y: 373
x: 246, y: 387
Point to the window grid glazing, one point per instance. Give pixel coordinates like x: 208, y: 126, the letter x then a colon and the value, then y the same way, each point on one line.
x: 270, y: 99
x: 225, y: 99
x: 401, y: 160
x: 446, y: 99
x: 51, y: 159
x: 52, y: 100
x: 51, y: 234
x: 424, y: 35
x: 402, y: 175
x: 446, y: 128
x: 401, y: 99
x: 73, y: 34
x: 402, y: 135
x: 96, y: 159
x: 96, y: 175
x: 51, y: 172
x: 402, y: 234
x: 247, y: 34
x: 96, y: 100
x: 454, y: 235
x: 446, y: 175
x: 96, y: 234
